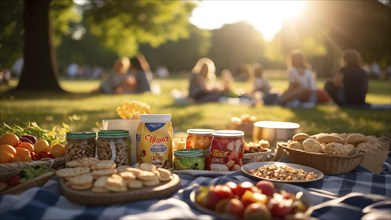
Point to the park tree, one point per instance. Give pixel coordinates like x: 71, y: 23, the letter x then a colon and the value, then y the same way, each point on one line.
x: 119, y: 25
x: 236, y: 44
x: 179, y: 55
x: 326, y: 28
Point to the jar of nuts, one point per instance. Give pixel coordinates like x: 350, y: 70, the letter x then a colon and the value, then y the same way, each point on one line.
x: 79, y: 145
x: 114, y: 145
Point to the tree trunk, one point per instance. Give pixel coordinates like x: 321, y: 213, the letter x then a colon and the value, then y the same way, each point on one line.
x: 39, y: 70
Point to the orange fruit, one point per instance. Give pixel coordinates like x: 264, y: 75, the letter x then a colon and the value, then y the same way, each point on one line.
x: 16, y: 159
x: 23, y: 154
x: 8, y: 148
x: 6, y: 157
x: 27, y: 146
x: 9, y: 138
x: 41, y: 145
x: 57, y: 150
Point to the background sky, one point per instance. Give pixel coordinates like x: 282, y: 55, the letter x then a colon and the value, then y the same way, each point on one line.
x: 265, y: 16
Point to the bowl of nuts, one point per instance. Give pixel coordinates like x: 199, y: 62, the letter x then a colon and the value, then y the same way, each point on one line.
x: 256, y: 152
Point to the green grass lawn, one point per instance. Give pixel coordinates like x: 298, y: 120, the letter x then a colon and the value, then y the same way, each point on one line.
x: 84, y: 111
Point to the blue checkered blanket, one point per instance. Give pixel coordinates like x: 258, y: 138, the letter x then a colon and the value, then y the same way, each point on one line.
x: 347, y: 196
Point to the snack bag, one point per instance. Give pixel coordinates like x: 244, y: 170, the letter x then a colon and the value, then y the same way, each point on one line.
x: 154, y: 140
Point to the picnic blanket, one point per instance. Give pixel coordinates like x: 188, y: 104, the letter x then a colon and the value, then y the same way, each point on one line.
x: 354, y: 195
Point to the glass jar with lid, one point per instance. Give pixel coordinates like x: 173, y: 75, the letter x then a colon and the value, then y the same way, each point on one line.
x: 79, y: 145
x: 114, y: 145
x: 198, y: 138
x: 189, y: 159
x: 226, y: 151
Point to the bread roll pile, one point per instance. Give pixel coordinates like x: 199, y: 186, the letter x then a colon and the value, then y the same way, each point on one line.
x: 344, y: 144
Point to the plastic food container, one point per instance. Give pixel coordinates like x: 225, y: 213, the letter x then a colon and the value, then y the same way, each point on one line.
x: 114, y: 145
x: 79, y: 145
x: 189, y: 159
x: 226, y: 151
x: 199, y: 138
x: 257, y: 157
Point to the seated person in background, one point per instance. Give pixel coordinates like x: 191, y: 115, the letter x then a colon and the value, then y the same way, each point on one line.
x: 116, y: 78
x: 260, y: 83
x: 261, y: 90
x: 227, y: 81
x: 202, y: 85
x: 137, y: 82
x: 302, y: 87
x: 350, y: 84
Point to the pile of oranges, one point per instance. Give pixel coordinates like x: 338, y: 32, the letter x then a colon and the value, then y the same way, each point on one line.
x: 15, y: 149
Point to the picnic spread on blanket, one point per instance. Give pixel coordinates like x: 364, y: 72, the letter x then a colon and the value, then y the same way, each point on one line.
x: 136, y: 167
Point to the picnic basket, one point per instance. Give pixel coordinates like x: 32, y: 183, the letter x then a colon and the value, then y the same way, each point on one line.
x: 329, y: 165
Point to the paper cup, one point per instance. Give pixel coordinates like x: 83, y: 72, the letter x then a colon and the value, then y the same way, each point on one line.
x: 125, y: 124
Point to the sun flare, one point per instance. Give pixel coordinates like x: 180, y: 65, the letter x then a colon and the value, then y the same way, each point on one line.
x: 266, y: 16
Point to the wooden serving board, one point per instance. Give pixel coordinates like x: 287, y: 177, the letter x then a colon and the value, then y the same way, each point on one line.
x: 87, y: 197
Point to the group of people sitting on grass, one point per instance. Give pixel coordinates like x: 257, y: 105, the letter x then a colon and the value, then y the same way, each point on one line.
x: 128, y: 76
x: 348, y: 88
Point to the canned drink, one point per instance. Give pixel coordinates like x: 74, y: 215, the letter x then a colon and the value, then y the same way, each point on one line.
x: 199, y: 138
x: 226, y: 151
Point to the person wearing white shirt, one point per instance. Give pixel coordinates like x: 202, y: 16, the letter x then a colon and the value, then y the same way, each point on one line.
x: 301, y: 91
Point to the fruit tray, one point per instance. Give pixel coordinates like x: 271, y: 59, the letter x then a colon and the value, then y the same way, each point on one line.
x: 36, y: 182
x: 10, y: 169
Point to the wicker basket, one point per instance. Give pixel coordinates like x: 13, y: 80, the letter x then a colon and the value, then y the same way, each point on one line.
x: 329, y: 165
x: 9, y: 169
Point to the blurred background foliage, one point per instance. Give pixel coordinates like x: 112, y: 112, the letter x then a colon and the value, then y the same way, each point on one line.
x: 96, y: 32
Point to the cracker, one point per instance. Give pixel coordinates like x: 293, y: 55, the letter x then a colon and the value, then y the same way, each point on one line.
x: 81, y: 187
x: 147, y: 176
x: 70, y: 172
x: 73, y: 163
x: 103, y: 172
x: 81, y: 179
x: 116, y: 188
x: 151, y: 182
x: 101, y: 182
x: 135, y: 171
x: 88, y: 161
x: 127, y: 175
x: 122, y: 168
x: 115, y: 180
x: 66, y: 172
x: 104, y: 164
x: 147, y: 167
x: 164, y: 173
x: 135, y: 184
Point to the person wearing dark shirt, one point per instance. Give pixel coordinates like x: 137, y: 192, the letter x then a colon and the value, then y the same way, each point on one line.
x: 350, y: 84
x: 137, y: 81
